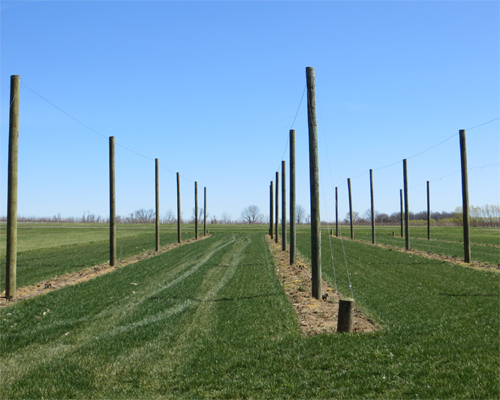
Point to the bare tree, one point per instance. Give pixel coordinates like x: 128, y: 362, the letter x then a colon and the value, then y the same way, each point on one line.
x: 251, y: 215
x: 300, y: 214
x: 355, y: 216
x: 170, y: 217
x: 226, y: 218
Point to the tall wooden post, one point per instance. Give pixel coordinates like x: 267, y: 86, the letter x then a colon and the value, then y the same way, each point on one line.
x: 157, y: 202
x: 465, y: 196
x: 350, y: 207
x: 293, y: 239
x: 270, y: 207
x: 336, y: 211
x: 271, y: 213
x: 112, y: 203
x: 196, y: 210
x: 12, y: 180
x: 179, y: 237
x: 372, y: 206
x: 402, y: 212
x: 314, y: 185
x: 277, y: 206
x: 428, y: 211
x: 407, y: 210
x: 283, y: 205
x: 205, y: 212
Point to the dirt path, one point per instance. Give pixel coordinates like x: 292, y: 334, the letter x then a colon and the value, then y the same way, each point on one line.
x: 315, y: 316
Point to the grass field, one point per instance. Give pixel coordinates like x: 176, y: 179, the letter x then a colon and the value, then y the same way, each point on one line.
x: 49, y: 250
x: 446, y: 241
x: 210, y: 320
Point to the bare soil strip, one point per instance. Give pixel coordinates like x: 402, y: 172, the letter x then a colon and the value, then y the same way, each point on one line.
x: 84, y: 275
x: 315, y: 316
x: 482, y: 266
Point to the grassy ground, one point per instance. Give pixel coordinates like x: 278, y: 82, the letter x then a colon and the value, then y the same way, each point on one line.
x: 210, y: 320
x: 49, y: 250
x: 447, y: 241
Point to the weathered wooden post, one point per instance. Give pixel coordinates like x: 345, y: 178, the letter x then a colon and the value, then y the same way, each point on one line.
x: 346, y: 313
x: 271, y: 211
x: 314, y: 184
x: 372, y: 206
x: 283, y: 205
x: 196, y: 210
x: 465, y: 196
x: 205, y: 212
x: 350, y: 207
x: 179, y: 208
x: 12, y: 180
x: 336, y: 211
x: 407, y: 209
x: 277, y: 205
x: 401, y: 208
x: 112, y: 203
x: 293, y: 239
x: 428, y: 211
x: 157, y: 202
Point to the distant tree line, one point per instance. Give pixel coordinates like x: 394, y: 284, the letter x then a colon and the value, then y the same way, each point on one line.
x: 487, y: 215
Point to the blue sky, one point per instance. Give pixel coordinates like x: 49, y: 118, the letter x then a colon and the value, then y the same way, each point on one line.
x: 212, y: 89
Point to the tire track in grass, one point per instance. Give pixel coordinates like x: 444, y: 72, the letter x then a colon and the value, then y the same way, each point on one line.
x: 178, y: 308
x: 106, y: 324
x: 180, y: 352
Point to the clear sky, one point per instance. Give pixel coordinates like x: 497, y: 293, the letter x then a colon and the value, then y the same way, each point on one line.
x: 212, y: 89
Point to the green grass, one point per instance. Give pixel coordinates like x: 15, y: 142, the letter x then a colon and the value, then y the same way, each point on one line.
x: 210, y: 320
x: 444, y: 241
x: 50, y: 250
x: 485, y: 236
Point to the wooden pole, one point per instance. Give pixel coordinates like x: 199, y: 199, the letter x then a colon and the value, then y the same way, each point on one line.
x: 271, y: 211
x: 407, y: 209
x: 270, y: 208
x: 314, y: 184
x: 157, y: 202
x: 428, y: 211
x: 336, y: 211
x: 293, y: 239
x: 350, y: 207
x: 465, y: 196
x: 179, y: 237
x: 205, y: 212
x: 196, y: 210
x: 277, y: 205
x: 12, y: 181
x: 402, y: 214
x: 283, y: 205
x: 346, y: 313
x: 372, y: 206
x: 112, y: 203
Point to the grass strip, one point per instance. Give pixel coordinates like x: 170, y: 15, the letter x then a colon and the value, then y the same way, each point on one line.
x: 43, y: 264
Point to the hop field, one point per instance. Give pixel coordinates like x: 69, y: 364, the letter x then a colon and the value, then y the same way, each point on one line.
x: 210, y: 319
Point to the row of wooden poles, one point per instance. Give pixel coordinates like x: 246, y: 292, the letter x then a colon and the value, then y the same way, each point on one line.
x: 315, y: 203
x: 314, y: 189
x: 346, y: 306
x: 11, y: 259
x: 405, y: 212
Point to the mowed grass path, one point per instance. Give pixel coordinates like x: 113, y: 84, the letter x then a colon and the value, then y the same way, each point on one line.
x: 210, y: 320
